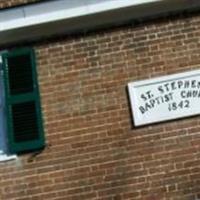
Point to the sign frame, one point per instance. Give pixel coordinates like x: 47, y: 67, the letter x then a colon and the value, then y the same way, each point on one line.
x: 174, y: 81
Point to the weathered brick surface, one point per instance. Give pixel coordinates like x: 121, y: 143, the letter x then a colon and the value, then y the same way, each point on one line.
x: 93, y: 152
x: 10, y: 3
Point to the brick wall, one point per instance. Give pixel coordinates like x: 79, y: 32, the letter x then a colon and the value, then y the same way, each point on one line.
x: 93, y: 152
x: 10, y: 3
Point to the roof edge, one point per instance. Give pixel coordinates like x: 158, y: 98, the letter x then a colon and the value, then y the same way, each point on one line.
x: 27, y: 23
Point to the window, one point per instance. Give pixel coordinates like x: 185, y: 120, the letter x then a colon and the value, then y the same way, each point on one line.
x: 21, y: 127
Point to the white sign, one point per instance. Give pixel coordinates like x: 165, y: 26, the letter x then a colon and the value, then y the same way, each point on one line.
x: 165, y: 98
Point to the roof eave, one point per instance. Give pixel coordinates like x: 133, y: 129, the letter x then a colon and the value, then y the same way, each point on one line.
x: 61, y: 22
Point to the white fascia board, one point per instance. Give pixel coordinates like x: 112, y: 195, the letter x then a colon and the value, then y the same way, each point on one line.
x: 64, y: 14
x: 32, y: 23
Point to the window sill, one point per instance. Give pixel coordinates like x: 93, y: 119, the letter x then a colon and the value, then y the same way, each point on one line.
x: 4, y: 157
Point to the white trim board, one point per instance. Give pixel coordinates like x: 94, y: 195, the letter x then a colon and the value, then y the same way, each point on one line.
x: 48, y: 18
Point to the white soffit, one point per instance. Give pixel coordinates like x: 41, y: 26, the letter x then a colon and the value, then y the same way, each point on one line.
x: 53, y: 17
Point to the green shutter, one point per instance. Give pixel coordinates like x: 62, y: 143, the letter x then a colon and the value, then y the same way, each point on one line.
x: 24, y: 119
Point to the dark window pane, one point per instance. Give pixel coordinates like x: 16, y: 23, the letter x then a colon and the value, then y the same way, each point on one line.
x: 20, y: 74
x: 25, y: 127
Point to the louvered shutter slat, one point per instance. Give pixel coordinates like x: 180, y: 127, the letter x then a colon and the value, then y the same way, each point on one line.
x: 25, y: 129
